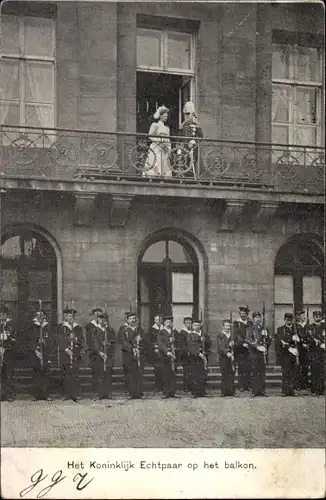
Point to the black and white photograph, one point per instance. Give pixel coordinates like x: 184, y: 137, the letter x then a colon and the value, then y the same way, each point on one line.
x: 162, y: 210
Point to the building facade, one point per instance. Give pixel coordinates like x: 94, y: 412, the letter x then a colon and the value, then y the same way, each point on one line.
x: 238, y: 223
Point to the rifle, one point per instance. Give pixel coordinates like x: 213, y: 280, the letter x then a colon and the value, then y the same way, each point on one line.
x: 232, y: 344
x: 41, y: 335
x: 105, y: 337
x: 264, y: 328
x: 203, y: 342
x: 296, y: 342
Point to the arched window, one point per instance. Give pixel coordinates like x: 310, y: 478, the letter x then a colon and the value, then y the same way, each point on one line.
x: 299, y: 276
x: 168, y: 281
x: 28, y: 274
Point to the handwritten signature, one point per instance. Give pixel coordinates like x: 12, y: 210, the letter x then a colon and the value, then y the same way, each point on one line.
x: 57, y: 478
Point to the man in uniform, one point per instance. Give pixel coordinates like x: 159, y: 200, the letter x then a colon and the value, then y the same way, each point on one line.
x: 302, y: 376
x: 121, y: 334
x: 188, y: 149
x: 181, y: 339
x: 134, y: 350
x: 225, y: 348
x: 70, y: 338
x: 7, y: 355
x: 166, y: 347
x: 197, y: 360
x: 241, y: 349
x: 317, y: 350
x: 40, y: 354
x: 259, y: 340
x: 101, y: 341
x: 287, y: 353
x: 154, y: 354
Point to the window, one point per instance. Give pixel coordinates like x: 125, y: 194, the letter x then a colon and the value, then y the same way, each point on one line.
x: 164, y: 51
x: 298, y: 280
x: 297, y: 95
x: 27, y: 71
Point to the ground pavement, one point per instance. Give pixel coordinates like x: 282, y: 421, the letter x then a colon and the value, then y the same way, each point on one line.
x: 153, y: 422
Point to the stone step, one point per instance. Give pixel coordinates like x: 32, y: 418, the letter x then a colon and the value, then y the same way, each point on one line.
x: 24, y: 382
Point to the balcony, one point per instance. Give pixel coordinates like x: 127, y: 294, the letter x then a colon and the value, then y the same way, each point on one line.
x: 63, y: 155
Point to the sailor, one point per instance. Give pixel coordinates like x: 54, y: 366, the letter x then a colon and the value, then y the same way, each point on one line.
x: 7, y: 355
x: 154, y: 353
x: 225, y: 347
x: 259, y: 340
x: 241, y: 348
x: 70, y: 338
x: 302, y: 375
x: 40, y: 355
x: 101, y: 341
x: 166, y: 347
x: 197, y: 360
x: 287, y: 353
x: 317, y: 350
x: 120, y: 336
x: 181, y: 339
x: 134, y: 351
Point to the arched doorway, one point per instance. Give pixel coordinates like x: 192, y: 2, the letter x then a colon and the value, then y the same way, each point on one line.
x: 29, y: 273
x: 299, y: 276
x: 168, y: 279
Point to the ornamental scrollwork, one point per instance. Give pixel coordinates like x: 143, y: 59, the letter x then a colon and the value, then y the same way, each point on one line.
x: 63, y: 153
x: 287, y: 165
x: 216, y: 162
x: 23, y: 150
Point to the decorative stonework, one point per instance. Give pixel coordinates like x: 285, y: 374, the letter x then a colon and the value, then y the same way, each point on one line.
x: 84, y: 208
x: 263, y: 216
x: 120, y: 210
x: 232, y: 214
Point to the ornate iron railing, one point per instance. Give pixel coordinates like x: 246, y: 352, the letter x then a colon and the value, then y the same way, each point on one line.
x: 79, y: 154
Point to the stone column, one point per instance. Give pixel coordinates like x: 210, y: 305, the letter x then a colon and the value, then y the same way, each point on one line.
x: 264, y: 88
x: 126, y: 68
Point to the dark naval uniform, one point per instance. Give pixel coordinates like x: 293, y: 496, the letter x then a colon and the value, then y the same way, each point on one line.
x: 134, y: 352
x: 7, y: 358
x: 287, y: 359
x: 166, y: 347
x: 258, y: 344
x: 317, y: 350
x: 70, y: 336
x: 154, y: 357
x: 182, y: 359
x: 197, y: 364
x: 302, y: 376
x: 226, y: 359
x: 101, y: 341
x: 40, y: 354
x: 242, y: 354
x: 120, y: 336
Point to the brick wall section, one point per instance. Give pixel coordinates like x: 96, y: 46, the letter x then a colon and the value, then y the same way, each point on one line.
x: 100, y: 263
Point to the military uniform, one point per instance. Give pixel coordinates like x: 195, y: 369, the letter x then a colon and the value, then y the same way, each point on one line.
x: 154, y: 357
x: 40, y: 354
x: 7, y: 357
x: 70, y: 337
x: 166, y: 347
x: 197, y: 363
x: 120, y: 336
x: 302, y: 375
x: 242, y: 353
x: 285, y: 347
x: 188, y: 148
x: 226, y: 359
x: 182, y: 359
x: 134, y: 352
x: 258, y: 344
x: 101, y: 341
x: 317, y: 350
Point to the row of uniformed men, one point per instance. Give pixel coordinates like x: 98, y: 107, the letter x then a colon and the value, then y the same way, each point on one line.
x: 244, y: 343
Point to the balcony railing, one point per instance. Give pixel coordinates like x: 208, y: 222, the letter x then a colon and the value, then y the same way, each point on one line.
x: 63, y: 154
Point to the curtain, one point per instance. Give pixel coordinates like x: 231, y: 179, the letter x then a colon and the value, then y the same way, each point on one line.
x: 9, y: 77
x: 39, y: 80
x: 280, y: 105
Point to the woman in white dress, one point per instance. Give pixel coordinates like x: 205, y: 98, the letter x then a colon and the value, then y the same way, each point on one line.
x: 158, y: 158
